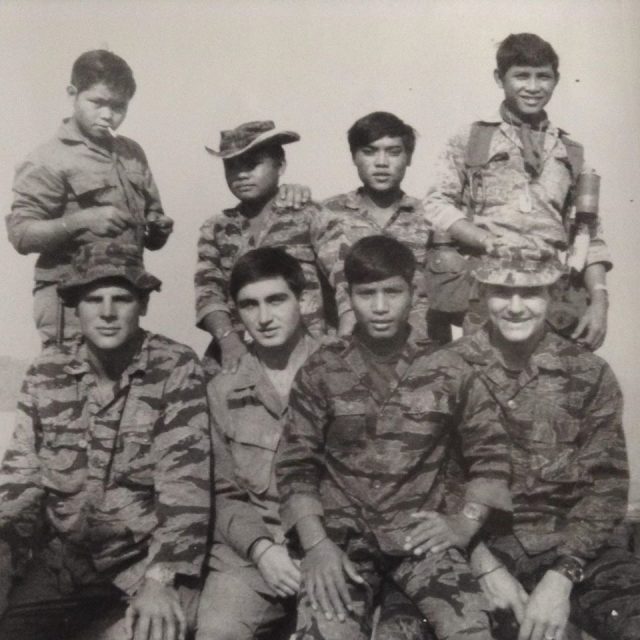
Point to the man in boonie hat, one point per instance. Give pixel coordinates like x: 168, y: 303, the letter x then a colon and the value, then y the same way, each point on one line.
x: 111, y: 459
x: 254, y: 161
x: 562, y: 557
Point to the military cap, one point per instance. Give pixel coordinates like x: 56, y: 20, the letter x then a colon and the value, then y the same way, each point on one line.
x: 106, y: 259
x: 517, y: 266
x: 235, y: 142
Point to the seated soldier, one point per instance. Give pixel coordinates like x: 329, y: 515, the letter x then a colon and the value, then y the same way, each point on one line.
x: 252, y: 580
x: 372, y: 418
x: 564, y: 558
x: 381, y: 147
x: 104, y: 489
x: 254, y: 161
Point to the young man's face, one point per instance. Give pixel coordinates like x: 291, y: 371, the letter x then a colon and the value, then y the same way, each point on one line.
x: 382, y: 308
x: 109, y: 314
x: 97, y: 109
x: 270, y: 312
x: 253, y: 176
x: 382, y: 164
x: 527, y: 90
x: 518, y: 314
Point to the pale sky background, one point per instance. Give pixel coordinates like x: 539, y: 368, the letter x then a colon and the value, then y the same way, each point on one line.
x: 315, y: 66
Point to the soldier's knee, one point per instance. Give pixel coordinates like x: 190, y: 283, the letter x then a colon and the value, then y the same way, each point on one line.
x: 220, y: 626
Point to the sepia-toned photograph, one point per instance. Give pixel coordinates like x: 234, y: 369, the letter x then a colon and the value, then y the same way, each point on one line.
x: 319, y: 320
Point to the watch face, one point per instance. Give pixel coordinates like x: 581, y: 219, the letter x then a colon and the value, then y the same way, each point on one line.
x: 472, y: 511
x: 570, y: 568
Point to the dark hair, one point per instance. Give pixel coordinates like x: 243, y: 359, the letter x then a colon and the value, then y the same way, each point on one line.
x: 377, y: 125
x: 93, y: 67
x: 376, y: 258
x: 525, y: 50
x: 263, y: 263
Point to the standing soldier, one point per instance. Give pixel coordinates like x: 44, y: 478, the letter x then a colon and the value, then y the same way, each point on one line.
x: 104, y: 489
x: 510, y: 179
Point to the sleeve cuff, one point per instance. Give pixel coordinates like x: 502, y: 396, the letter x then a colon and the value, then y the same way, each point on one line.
x: 203, y: 312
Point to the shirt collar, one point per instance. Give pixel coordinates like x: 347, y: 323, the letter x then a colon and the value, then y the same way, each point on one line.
x: 496, y: 119
x: 356, y: 200
x: 70, y: 133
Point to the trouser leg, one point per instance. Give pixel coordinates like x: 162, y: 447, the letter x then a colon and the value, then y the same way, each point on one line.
x: 447, y: 594
x: 400, y: 619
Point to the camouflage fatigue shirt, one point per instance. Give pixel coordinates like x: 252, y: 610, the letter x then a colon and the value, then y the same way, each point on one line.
x: 247, y: 418
x: 407, y: 224
x: 312, y: 235
x: 70, y: 173
x: 350, y: 455
x: 563, y: 414
x: 115, y: 484
x: 505, y: 183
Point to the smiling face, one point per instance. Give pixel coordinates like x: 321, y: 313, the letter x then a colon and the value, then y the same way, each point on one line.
x: 382, y: 164
x: 517, y: 314
x: 253, y: 176
x: 527, y: 90
x: 97, y: 109
x: 109, y: 313
x: 270, y: 312
x: 382, y: 308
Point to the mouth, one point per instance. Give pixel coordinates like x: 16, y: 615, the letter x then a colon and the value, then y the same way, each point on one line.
x: 108, y: 331
x: 243, y: 186
x: 381, y: 325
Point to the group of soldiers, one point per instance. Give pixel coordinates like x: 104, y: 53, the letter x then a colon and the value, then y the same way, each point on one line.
x: 335, y: 459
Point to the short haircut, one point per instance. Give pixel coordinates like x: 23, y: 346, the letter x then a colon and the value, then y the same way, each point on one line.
x: 377, y: 125
x: 525, y: 50
x: 376, y: 258
x: 94, y: 67
x: 262, y: 264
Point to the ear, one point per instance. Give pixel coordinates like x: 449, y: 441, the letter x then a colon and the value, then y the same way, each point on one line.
x: 497, y: 78
x: 72, y: 92
x: 282, y: 168
x: 144, y: 304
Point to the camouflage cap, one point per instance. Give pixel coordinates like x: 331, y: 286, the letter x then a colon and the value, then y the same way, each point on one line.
x: 235, y: 142
x: 106, y: 259
x: 519, y: 267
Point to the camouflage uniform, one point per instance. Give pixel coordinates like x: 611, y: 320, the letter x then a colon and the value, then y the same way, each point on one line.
x: 111, y: 485
x: 312, y: 235
x: 65, y: 175
x: 495, y: 203
x: 407, y: 224
x: 365, y: 463
x: 563, y: 414
x: 247, y: 422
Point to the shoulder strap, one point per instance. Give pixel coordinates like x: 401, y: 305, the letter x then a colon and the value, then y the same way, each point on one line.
x: 575, y: 154
x: 477, y: 151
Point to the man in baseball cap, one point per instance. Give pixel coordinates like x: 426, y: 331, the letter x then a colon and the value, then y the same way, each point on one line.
x: 110, y: 458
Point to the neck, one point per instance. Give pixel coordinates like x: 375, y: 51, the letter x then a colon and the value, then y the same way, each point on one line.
x: 281, y: 357
x: 383, y: 199
x: 108, y: 365
x: 253, y: 208
x: 384, y: 346
x: 515, y: 118
x: 515, y: 355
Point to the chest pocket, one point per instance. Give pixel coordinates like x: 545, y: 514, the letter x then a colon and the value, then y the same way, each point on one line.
x: 253, y: 451
x: 92, y: 191
x: 133, y: 463
x: 348, y: 429
x: 63, y: 456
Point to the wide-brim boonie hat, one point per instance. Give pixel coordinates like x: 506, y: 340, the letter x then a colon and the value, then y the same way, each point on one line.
x: 108, y: 259
x: 249, y: 135
x: 519, y: 267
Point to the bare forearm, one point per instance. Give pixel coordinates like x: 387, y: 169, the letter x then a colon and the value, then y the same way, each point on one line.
x: 311, y: 531
x: 470, y: 235
x: 217, y: 323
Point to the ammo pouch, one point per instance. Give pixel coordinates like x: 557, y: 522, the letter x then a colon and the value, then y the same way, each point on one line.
x: 448, y: 279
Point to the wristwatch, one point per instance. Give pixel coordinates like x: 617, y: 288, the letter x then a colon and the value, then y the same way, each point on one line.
x: 570, y: 568
x: 473, y: 511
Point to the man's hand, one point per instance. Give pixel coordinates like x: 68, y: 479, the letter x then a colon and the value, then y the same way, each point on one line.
x: 547, y: 612
x: 324, y: 568
x: 279, y: 571
x: 592, y: 327
x: 504, y: 591
x: 159, y: 224
x: 232, y: 349
x: 346, y: 324
x: 293, y: 195
x: 105, y: 222
x: 436, y: 532
x: 155, y: 613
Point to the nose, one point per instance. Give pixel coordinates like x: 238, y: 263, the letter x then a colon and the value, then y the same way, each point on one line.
x: 380, y: 303
x: 516, y: 305
x: 532, y: 84
x: 107, y: 309
x: 381, y: 159
x: 264, y: 314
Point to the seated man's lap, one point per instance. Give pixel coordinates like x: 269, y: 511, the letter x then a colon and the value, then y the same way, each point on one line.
x: 236, y: 603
